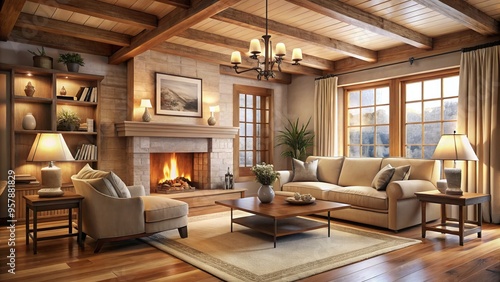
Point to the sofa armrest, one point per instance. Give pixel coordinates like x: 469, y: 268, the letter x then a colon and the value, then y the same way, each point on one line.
x: 285, y: 176
x: 406, y: 189
x: 136, y: 190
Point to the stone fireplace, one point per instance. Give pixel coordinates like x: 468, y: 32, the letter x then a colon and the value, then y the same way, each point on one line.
x: 212, y: 147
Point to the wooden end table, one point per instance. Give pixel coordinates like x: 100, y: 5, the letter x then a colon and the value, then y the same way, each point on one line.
x: 460, y: 226
x: 37, y: 204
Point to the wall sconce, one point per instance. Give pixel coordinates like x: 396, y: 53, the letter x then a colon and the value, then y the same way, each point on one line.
x: 213, y: 109
x: 146, y: 103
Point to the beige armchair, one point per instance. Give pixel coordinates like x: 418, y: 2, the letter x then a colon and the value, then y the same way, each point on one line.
x: 107, y: 218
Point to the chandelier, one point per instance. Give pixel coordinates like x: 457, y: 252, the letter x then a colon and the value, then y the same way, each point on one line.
x: 265, y: 68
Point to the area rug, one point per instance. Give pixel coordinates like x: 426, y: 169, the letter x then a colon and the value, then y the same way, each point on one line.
x: 247, y: 255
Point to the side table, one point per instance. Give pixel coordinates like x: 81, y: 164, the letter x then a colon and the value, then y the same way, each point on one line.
x: 460, y: 226
x: 67, y: 201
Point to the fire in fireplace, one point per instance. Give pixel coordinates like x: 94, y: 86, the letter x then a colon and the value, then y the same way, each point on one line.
x: 172, y: 172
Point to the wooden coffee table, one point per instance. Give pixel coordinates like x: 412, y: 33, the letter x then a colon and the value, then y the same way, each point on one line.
x: 280, y: 218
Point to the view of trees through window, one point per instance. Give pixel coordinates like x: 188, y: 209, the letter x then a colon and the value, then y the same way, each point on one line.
x: 422, y: 107
x: 431, y: 110
x: 368, y: 122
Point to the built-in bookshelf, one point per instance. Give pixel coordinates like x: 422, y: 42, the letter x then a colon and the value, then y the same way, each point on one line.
x: 54, y: 91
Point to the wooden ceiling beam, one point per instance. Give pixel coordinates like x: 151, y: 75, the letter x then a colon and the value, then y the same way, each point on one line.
x: 465, y: 14
x: 26, y: 21
x: 105, y: 11
x: 242, y: 46
x: 354, y: 16
x: 257, y: 23
x: 9, y: 12
x: 442, y: 44
x: 186, y: 4
x: 61, y: 42
x: 172, y: 24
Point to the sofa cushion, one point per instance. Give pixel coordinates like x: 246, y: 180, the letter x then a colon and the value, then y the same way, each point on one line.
x: 109, y: 179
x: 361, y: 196
x: 318, y: 190
x: 420, y: 169
x: 401, y: 173
x: 305, y: 171
x: 100, y: 185
x: 359, y: 171
x: 328, y: 168
x: 157, y: 208
x: 383, y: 177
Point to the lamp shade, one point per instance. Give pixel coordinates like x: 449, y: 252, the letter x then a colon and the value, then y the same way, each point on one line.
x: 454, y: 147
x: 49, y: 147
x: 146, y: 103
x: 214, y: 109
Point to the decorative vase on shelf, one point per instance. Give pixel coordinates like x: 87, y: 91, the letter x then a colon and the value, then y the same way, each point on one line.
x: 29, y: 89
x: 29, y: 122
x: 63, y: 91
x: 265, y: 193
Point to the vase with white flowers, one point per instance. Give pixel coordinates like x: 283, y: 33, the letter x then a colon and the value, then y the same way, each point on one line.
x: 265, y: 175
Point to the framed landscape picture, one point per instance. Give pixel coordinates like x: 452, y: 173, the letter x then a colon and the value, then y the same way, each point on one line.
x: 178, y: 95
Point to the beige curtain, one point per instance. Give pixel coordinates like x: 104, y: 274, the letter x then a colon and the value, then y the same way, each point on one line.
x: 479, y: 118
x: 325, y: 117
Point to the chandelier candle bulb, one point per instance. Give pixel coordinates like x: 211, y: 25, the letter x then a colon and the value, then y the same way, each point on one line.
x: 280, y: 49
x: 236, y: 57
x: 255, y: 46
x: 297, y: 54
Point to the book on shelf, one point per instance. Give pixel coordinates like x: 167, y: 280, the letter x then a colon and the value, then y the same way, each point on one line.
x: 87, y: 94
x: 86, y: 152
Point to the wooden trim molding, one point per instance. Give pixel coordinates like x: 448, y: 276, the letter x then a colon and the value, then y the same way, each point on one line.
x: 156, y: 129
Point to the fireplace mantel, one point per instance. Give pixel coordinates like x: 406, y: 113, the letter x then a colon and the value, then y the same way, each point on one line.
x: 157, y: 129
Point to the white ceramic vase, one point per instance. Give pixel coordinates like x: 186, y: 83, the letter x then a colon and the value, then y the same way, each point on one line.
x: 29, y: 122
x: 265, y: 194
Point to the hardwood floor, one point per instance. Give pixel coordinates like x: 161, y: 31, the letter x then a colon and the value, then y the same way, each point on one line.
x: 438, y: 258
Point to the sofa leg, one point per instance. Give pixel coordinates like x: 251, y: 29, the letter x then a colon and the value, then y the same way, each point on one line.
x: 183, y: 231
x: 98, y: 246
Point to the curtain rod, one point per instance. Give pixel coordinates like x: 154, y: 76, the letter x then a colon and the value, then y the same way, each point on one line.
x: 482, y: 46
x: 410, y: 60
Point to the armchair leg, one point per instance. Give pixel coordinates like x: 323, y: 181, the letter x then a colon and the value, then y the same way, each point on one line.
x: 183, y: 231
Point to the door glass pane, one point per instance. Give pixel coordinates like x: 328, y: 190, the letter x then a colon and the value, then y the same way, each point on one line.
x: 354, y: 117
x: 432, y: 110
x: 382, y: 135
x: 383, y: 114
x: 450, y: 86
x: 367, y: 134
x: 354, y: 99
x: 367, y: 151
x: 354, y: 151
x: 367, y: 97
x: 414, y: 152
x: 450, y: 109
x: 432, y: 133
x: 382, y: 95
x: 354, y: 135
x: 414, y: 134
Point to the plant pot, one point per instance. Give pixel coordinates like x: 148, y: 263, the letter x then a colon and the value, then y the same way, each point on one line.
x: 265, y: 194
x: 42, y: 62
x: 73, y: 67
x: 67, y: 127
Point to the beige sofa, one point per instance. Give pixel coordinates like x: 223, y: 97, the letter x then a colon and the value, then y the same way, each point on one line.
x: 349, y: 180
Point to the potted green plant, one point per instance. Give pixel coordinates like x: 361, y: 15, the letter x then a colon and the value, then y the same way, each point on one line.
x: 73, y: 61
x: 67, y: 120
x: 40, y: 59
x: 266, y: 176
x: 296, y: 140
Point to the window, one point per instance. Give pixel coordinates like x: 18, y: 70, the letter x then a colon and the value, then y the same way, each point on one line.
x: 253, y: 115
x: 368, y: 122
x: 401, y: 117
x: 431, y: 109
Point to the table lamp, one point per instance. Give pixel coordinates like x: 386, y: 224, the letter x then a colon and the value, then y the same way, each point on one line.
x: 146, y: 104
x: 50, y: 147
x: 454, y: 147
x: 211, y: 120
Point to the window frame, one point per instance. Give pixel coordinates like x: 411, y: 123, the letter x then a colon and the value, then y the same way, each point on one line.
x: 397, y: 107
